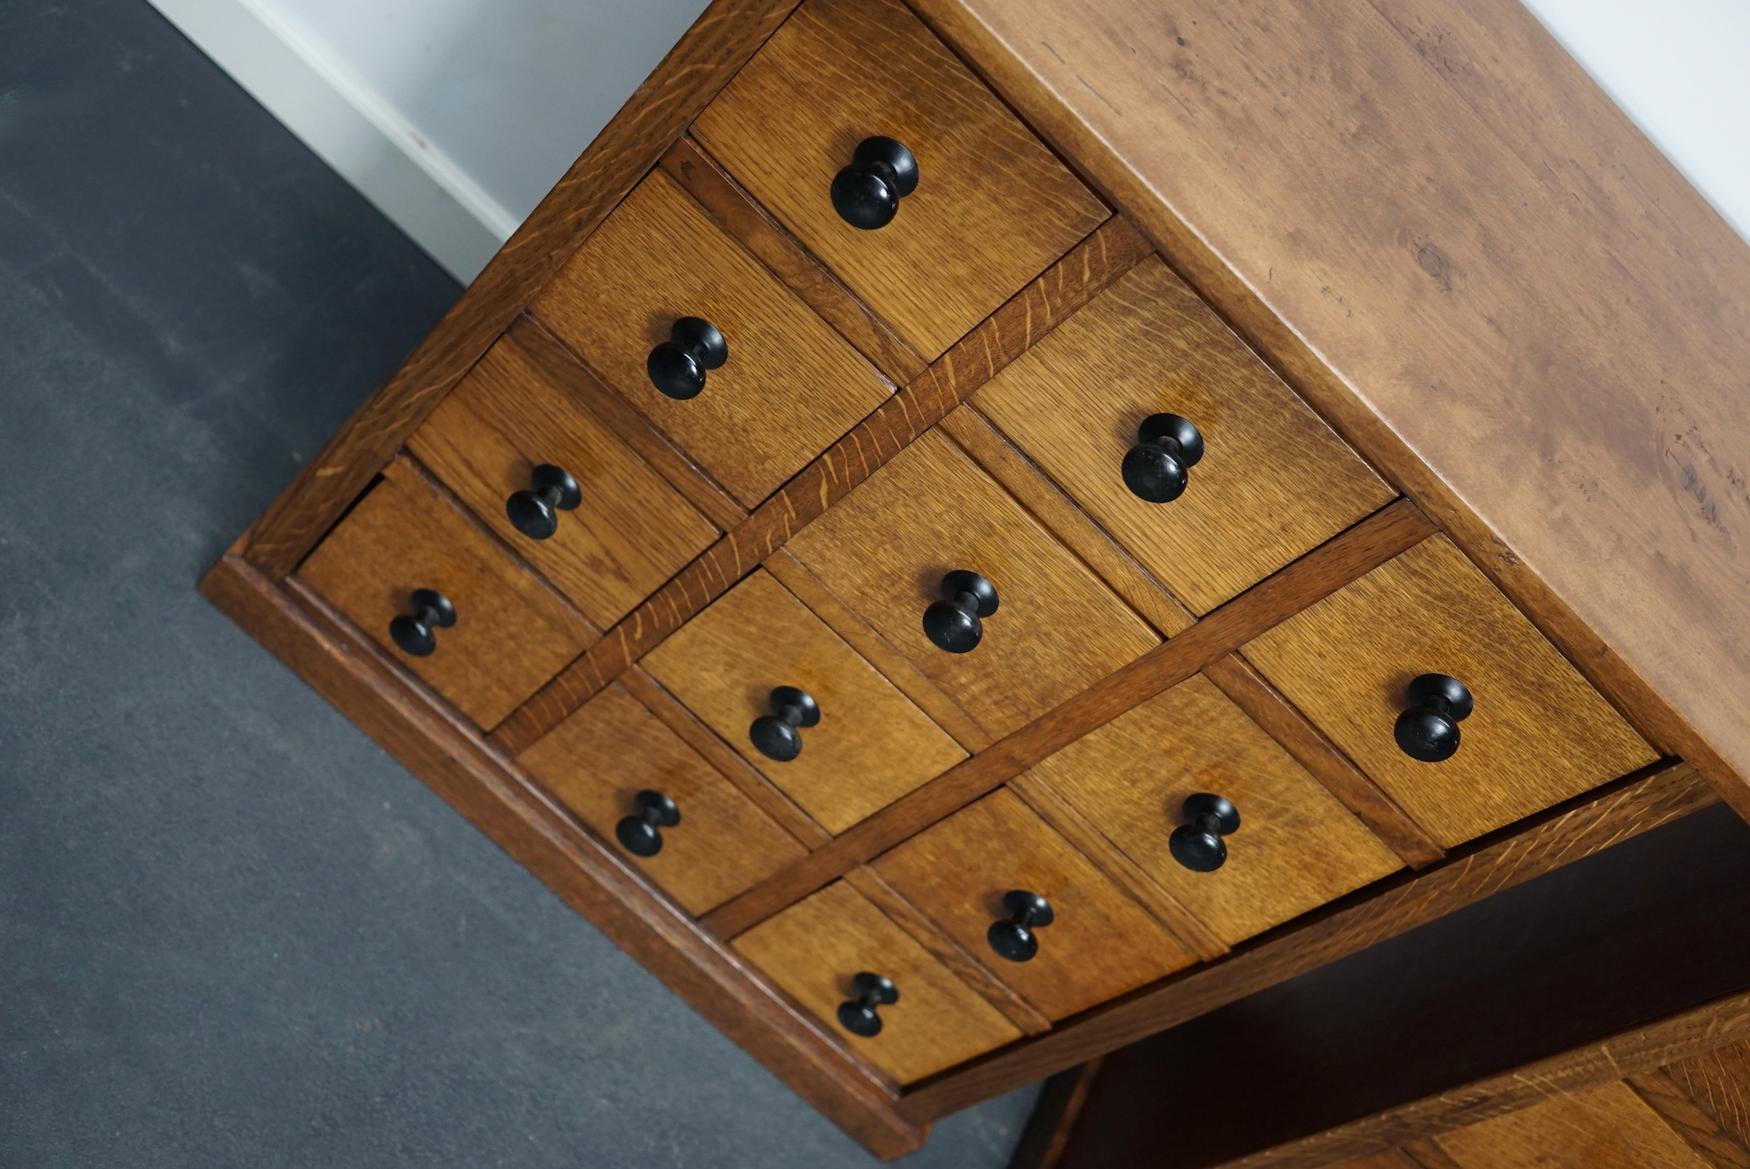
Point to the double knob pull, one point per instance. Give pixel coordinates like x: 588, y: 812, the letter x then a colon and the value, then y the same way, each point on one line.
x: 955, y: 623
x: 1167, y: 447
x: 778, y: 735
x: 1013, y: 936
x: 678, y: 365
x: 1428, y: 729
x: 859, y: 1016
x: 417, y: 634
x: 1197, y: 843
x: 866, y: 193
x: 641, y: 834
x: 535, y: 512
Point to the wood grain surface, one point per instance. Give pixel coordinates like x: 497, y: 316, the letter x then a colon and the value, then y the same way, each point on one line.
x: 1706, y: 1114
x: 1719, y: 1082
x: 1607, y: 1127
x: 992, y: 208
x: 1539, y: 733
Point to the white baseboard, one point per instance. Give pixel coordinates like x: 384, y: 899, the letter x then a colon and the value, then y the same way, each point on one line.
x: 351, y: 128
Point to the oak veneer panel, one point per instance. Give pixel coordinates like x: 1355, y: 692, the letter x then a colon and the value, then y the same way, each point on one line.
x: 791, y: 385
x: 631, y: 532
x: 1297, y: 847
x: 993, y: 207
x: 813, y: 949
x: 885, y: 548
x: 1692, y: 1114
x: 1603, y: 1128
x: 871, y: 745
x: 512, y: 631
x: 1538, y: 735
x: 1719, y: 1081
x: 1274, y: 481
x: 1388, y: 1160
x: 598, y: 760
x: 1101, y: 943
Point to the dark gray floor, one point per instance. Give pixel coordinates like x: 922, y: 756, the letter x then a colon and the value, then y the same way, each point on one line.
x: 232, y: 931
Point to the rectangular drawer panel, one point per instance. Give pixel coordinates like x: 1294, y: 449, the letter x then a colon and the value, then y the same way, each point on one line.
x: 1099, y: 944
x: 1297, y: 846
x: 1273, y: 482
x: 871, y: 745
x: 885, y: 548
x: 992, y: 207
x: 630, y: 533
x: 1610, y: 1127
x: 1538, y: 735
x: 512, y: 631
x: 790, y: 386
x: 818, y: 946
x: 612, y: 748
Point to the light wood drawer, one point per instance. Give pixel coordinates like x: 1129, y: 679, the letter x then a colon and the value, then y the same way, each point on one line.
x: 612, y: 748
x: 870, y: 745
x: 1610, y: 1127
x: 992, y: 206
x: 790, y: 385
x: 1273, y: 481
x: 1297, y: 846
x: 512, y: 632
x: 976, y: 871
x: 816, y: 949
x: 1538, y: 733
x: 629, y: 532
x: 886, y: 548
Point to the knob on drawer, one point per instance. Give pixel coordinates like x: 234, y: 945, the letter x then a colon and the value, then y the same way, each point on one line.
x: 1012, y: 937
x: 866, y: 194
x: 1197, y: 843
x: 953, y: 623
x: 1167, y: 446
x: 678, y: 365
x: 858, y: 1016
x: 416, y: 634
x: 776, y: 735
x: 1428, y: 730
x: 535, y: 512
x: 641, y: 835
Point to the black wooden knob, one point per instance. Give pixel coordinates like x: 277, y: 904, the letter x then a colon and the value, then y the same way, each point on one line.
x: 535, y: 512
x: 1197, y: 843
x: 640, y: 835
x: 1166, y: 447
x: 776, y: 735
x: 1012, y: 937
x: 677, y: 366
x: 416, y: 634
x: 858, y: 1016
x: 953, y: 622
x: 1428, y: 729
x: 866, y: 194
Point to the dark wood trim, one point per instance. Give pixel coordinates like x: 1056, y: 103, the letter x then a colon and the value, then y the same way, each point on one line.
x: 1054, y: 1117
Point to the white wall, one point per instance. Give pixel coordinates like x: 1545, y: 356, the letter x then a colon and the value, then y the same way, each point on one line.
x: 455, y: 116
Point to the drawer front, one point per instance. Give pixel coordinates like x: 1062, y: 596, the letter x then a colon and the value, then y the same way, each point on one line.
x: 512, y: 632
x: 978, y: 871
x: 992, y: 207
x: 1603, y: 1128
x: 612, y: 748
x: 870, y: 745
x: 816, y: 949
x: 1296, y: 847
x: 790, y: 385
x: 1538, y: 732
x: 886, y: 548
x: 1272, y: 482
x: 629, y: 532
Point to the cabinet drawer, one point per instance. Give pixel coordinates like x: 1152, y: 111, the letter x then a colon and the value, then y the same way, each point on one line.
x: 886, y: 548
x: 1538, y: 733
x: 1296, y: 848
x: 992, y: 206
x: 870, y: 745
x: 612, y: 748
x: 975, y: 872
x: 790, y: 385
x: 1273, y: 480
x: 627, y: 532
x: 816, y: 949
x: 1610, y: 1127
x: 511, y: 631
